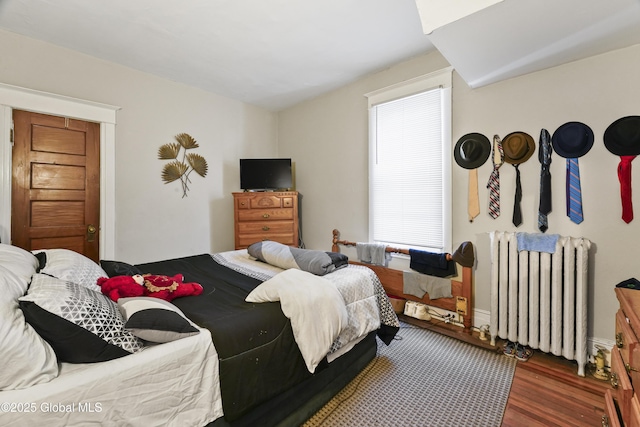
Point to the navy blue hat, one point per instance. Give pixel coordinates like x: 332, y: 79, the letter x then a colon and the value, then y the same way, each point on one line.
x: 632, y: 283
x: 572, y: 140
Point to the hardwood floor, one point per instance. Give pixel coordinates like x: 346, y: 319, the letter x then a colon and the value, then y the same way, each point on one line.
x: 546, y: 390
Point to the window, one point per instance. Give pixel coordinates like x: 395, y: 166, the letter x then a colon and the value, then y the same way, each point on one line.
x: 410, y: 163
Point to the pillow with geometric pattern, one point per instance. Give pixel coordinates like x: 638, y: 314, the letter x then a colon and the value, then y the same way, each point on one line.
x: 81, y: 325
x: 155, y: 320
x: 68, y: 265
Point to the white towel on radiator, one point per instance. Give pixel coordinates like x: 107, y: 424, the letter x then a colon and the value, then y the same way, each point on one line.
x: 418, y: 284
x: 373, y: 253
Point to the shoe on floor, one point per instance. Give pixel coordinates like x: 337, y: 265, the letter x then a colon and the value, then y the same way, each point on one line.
x: 522, y: 353
x: 510, y: 349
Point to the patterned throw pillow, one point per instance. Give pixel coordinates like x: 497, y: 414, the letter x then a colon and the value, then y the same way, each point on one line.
x: 70, y: 266
x: 155, y: 320
x: 80, y: 324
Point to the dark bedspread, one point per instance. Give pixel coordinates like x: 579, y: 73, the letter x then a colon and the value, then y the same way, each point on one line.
x: 259, y: 357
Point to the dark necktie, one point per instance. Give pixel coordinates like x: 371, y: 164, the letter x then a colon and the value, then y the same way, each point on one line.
x: 517, y: 212
x: 544, y: 155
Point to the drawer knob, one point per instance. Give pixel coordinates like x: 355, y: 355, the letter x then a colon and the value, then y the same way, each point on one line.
x: 614, y: 380
x: 605, y: 421
x: 265, y: 228
x: 619, y: 342
x: 265, y: 216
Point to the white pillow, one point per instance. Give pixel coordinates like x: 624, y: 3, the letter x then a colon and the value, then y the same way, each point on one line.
x: 31, y: 360
x: 22, y: 263
x: 73, y: 267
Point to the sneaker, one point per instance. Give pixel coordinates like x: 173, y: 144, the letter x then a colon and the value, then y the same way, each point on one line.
x: 510, y: 349
x: 522, y: 353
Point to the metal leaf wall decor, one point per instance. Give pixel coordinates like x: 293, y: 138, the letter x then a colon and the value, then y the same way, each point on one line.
x: 181, y: 169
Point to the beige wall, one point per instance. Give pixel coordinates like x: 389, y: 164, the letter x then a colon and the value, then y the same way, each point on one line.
x: 327, y: 138
x: 153, y: 221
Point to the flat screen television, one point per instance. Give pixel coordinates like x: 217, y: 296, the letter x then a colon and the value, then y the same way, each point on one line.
x: 265, y: 174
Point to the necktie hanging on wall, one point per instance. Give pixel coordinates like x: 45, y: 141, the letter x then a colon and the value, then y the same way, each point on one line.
x: 622, y: 138
x: 571, y: 141
x: 494, y: 179
x: 624, y: 176
x: 544, y: 156
x: 517, y: 210
x: 474, y: 202
x: 470, y: 152
x: 518, y: 147
x: 574, y: 192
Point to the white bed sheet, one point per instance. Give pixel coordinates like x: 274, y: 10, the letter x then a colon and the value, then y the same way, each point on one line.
x: 171, y: 384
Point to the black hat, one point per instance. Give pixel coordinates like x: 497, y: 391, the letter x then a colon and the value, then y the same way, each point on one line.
x: 472, y: 150
x: 518, y: 147
x: 622, y: 137
x: 572, y: 140
x: 464, y: 255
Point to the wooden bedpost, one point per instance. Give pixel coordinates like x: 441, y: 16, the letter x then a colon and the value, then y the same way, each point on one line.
x: 336, y: 237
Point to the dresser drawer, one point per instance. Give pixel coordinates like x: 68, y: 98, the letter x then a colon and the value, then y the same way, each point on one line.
x: 246, y: 240
x: 265, y: 214
x: 634, y: 417
x: 610, y: 417
x: 627, y: 344
x: 621, y: 384
x: 266, y: 228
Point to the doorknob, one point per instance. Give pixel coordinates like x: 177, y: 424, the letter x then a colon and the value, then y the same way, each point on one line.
x: 91, y: 232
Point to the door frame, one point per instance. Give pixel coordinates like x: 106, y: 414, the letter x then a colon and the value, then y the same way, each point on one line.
x: 15, y: 97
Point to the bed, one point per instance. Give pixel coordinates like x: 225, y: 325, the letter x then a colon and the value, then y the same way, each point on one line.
x: 241, y: 367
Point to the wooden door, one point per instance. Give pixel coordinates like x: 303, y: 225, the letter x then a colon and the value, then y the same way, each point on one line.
x: 55, y: 183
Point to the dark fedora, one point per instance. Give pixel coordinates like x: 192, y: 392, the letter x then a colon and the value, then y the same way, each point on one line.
x: 518, y: 147
x: 472, y: 150
x: 572, y: 140
x: 622, y: 137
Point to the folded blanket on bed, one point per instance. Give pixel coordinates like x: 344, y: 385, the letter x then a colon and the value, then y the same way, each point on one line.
x: 283, y: 256
x: 315, y: 306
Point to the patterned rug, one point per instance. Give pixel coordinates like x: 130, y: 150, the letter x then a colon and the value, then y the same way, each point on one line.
x: 424, y: 379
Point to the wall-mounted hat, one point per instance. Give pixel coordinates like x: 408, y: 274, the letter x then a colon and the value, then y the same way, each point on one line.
x: 518, y: 147
x: 472, y: 150
x: 622, y: 137
x: 572, y: 140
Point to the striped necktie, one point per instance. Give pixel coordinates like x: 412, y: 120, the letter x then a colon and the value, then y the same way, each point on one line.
x: 494, y: 179
x: 574, y: 194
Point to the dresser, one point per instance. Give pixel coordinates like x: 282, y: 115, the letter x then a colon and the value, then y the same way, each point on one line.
x: 269, y: 215
x: 622, y: 401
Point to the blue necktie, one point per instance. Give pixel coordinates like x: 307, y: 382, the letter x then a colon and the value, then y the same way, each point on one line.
x: 574, y: 195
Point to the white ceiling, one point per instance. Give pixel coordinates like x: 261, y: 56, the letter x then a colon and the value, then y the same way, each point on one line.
x: 275, y: 53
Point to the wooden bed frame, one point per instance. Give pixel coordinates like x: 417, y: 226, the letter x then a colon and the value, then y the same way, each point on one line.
x: 462, y: 291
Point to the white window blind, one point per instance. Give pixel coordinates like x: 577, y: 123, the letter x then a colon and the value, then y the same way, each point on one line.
x: 409, y: 171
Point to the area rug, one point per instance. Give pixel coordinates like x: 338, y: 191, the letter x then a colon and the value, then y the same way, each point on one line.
x: 424, y: 379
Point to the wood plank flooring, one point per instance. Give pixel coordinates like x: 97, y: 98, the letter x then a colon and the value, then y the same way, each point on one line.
x: 546, y: 391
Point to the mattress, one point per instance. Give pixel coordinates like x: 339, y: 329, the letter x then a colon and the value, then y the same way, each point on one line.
x: 168, y: 384
x: 258, y: 354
